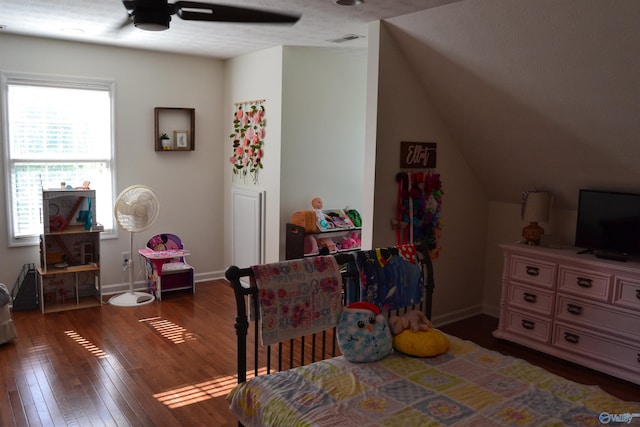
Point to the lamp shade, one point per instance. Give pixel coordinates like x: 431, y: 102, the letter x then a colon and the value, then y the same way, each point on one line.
x: 536, y: 206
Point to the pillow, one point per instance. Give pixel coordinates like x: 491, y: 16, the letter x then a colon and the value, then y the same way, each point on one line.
x: 363, y: 333
x: 421, y: 343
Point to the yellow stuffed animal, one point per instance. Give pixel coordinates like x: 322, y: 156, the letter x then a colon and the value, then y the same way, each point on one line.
x: 413, y: 334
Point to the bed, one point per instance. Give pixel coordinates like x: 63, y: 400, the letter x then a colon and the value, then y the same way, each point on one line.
x: 304, y: 381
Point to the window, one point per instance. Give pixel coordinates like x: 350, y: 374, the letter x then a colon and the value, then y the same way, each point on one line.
x: 55, y: 131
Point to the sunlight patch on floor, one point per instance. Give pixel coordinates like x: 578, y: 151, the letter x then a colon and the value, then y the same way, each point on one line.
x: 169, y: 330
x: 195, y: 393
x: 88, y: 345
x: 190, y: 394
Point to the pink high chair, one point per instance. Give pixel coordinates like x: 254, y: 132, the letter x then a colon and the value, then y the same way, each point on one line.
x: 167, y: 269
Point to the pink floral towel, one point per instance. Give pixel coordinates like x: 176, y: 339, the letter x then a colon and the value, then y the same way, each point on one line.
x: 298, y: 297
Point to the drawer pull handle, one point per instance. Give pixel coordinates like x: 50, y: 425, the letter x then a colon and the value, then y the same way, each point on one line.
x: 530, y: 297
x: 572, y: 338
x: 584, y: 282
x: 528, y: 324
x: 533, y: 271
x: 638, y: 293
x: 574, y: 309
x: 638, y: 359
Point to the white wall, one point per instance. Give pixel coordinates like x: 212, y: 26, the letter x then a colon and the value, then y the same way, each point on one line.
x: 505, y: 226
x: 560, y: 76
x: 314, y: 132
x: 249, y: 77
x: 189, y: 184
x: 405, y: 113
x: 371, y: 132
x: 194, y: 187
x: 468, y: 274
x: 323, y: 129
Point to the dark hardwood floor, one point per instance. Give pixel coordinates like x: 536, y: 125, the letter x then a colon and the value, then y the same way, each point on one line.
x: 169, y: 363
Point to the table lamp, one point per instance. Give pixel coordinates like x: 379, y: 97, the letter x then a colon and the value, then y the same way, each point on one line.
x: 535, y: 208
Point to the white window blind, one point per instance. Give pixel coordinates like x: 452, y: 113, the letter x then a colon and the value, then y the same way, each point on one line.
x: 55, y: 131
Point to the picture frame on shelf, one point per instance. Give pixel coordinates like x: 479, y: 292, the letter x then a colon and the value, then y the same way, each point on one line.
x: 181, y: 140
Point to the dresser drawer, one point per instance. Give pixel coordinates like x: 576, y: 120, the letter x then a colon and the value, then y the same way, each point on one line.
x: 535, y: 272
x: 530, y: 298
x: 606, y: 319
x: 531, y: 327
x: 603, y: 349
x: 585, y: 283
x: 627, y: 293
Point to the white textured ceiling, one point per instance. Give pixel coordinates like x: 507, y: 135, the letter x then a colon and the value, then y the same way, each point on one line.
x: 100, y: 22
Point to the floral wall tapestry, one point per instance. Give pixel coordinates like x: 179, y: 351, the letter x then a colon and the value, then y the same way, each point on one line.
x: 248, y: 138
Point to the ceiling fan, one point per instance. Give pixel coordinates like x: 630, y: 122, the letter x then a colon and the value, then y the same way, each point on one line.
x: 155, y: 15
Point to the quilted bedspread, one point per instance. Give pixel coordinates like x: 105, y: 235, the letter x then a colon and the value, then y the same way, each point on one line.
x: 467, y: 386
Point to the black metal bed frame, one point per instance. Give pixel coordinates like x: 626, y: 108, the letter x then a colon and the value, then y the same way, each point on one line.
x: 321, y: 345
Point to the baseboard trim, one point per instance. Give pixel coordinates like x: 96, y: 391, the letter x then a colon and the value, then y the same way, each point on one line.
x: 491, y: 310
x: 457, y: 315
x: 117, y: 288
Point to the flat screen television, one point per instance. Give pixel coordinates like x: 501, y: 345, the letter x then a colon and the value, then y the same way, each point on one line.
x: 609, y: 224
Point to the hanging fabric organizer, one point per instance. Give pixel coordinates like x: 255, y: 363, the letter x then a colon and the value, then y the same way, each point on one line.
x: 248, y: 138
x: 419, y: 205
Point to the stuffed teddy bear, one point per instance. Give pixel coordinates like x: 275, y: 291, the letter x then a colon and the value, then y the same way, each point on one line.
x: 414, y: 335
x: 363, y: 333
x: 347, y: 243
x: 413, y: 319
x: 356, y: 239
x: 328, y: 243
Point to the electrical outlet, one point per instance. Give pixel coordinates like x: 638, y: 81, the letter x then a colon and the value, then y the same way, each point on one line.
x: 125, y: 260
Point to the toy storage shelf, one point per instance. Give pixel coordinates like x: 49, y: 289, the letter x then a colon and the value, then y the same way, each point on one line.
x: 69, y: 273
x: 295, y: 236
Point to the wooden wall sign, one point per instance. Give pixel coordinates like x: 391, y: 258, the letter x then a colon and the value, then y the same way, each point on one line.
x: 417, y: 155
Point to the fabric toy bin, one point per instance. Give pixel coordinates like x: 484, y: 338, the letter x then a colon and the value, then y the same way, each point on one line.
x: 7, y: 330
x: 176, y: 277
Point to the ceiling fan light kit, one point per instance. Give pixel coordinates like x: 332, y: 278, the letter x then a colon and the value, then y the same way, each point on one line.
x: 349, y: 2
x: 152, y: 19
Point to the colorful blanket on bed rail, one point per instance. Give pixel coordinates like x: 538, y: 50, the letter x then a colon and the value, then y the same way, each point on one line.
x: 468, y: 386
x: 298, y: 297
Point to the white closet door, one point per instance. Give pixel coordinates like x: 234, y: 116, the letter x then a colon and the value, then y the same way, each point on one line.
x: 248, y: 226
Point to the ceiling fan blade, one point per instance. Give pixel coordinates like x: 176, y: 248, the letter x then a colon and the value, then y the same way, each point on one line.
x: 197, y: 11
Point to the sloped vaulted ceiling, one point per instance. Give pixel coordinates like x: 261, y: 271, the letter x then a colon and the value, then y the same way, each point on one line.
x: 540, y: 93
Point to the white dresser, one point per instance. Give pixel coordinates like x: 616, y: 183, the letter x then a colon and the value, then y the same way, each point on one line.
x: 576, y: 307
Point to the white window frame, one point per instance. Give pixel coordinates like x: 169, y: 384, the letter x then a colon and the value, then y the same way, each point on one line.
x: 7, y: 79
